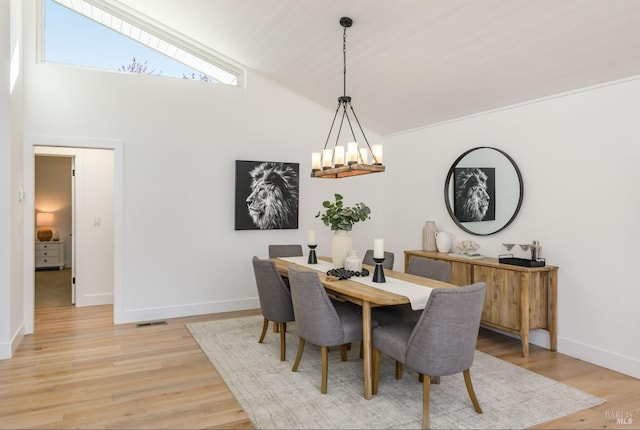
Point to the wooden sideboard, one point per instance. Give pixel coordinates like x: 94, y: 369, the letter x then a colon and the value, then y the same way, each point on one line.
x: 518, y: 299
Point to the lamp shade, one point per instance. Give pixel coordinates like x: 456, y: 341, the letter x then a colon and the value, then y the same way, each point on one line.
x: 44, y: 218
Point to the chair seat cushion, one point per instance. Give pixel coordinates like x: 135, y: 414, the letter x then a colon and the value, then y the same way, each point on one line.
x: 392, y: 340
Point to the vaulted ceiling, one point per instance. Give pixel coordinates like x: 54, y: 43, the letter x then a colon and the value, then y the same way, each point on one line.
x: 411, y: 63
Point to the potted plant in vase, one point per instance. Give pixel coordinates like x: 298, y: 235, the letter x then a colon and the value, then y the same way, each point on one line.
x: 341, y: 219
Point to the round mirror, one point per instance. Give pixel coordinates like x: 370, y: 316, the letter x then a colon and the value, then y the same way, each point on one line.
x: 483, y: 191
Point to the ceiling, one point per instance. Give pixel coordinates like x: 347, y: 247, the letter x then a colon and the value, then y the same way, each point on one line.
x: 412, y: 63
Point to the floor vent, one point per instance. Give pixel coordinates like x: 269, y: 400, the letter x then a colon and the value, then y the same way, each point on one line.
x: 149, y: 324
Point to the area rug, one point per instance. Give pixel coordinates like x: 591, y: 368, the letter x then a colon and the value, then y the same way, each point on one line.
x: 274, y: 397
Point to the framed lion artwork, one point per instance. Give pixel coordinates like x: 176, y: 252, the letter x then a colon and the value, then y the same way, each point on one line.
x: 475, y: 194
x: 266, y: 195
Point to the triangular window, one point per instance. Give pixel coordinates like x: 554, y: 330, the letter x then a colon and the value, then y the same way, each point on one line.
x: 80, y: 33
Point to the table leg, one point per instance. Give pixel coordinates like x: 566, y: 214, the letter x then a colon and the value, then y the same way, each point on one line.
x: 553, y: 310
x: 366, y: 349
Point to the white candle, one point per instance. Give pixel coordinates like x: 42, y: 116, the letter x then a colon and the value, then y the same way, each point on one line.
x: 315, y: 161
x: 312, y: 237
x: 364, y: 155
x: 339, y: 154
x: 327, y: 161
x: 377, y: 154
x: 378, y: 248
x: 352, y: 152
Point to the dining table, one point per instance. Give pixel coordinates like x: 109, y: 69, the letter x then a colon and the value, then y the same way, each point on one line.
x: 400, y: 288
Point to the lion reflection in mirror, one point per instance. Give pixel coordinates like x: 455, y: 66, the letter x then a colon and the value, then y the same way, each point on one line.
x: 471, y: 196
x: 273, y: 202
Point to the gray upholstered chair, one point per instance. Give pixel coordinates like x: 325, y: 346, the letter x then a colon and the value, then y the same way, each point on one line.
x: 434, y: 269
x: 319, y: 320
x: 275, y: 300
x: 285, y: 251
x: 386, y: 264
x: 443, y: 342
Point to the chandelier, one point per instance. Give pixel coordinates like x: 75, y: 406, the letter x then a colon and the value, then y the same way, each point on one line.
x: 336, y: 162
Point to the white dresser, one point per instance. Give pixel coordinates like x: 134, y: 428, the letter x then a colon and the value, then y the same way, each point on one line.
x: 50, y: 254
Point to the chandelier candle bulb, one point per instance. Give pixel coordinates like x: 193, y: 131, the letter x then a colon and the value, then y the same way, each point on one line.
x: 312, y: 237
x: 377, y: 154
x: 327, y: 161
x: 352, y: 153
x: 378, y: 248
x: 364, y: 155
x: 316, y: 163
x: 339, y: 156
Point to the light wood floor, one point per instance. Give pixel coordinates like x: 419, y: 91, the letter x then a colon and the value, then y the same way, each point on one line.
x: 80, y: 371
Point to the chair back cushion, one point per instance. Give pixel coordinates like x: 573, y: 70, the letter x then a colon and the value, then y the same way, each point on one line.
x: 285, y: 251
x: 386, y: 264
x: 316, y: 318
x: 428, y: 268
x: 275, y: 298
x: 443, y: 341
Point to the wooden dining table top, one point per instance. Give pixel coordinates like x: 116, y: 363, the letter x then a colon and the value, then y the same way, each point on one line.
x: 357, y: 291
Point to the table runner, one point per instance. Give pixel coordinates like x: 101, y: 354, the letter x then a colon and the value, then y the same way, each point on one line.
x: 417, y: 294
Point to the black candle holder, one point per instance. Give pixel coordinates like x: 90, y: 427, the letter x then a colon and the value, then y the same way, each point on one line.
x: 378, y: 273
x: 312, y: 254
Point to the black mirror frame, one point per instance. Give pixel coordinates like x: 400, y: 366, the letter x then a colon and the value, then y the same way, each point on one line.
x: 447, y: 184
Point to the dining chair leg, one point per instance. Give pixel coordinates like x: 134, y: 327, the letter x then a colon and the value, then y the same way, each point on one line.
x: 426, y: 390
x: 265, y: 325
x: 376, y: 358
x: 299, y: 356
x: 343, y: 352
x: 361, y: 350
x: 472, y: 394
x: 399, y: 368
x: 435, y: 379
x: 275, y: 327
x: 324, y: 351
x: 283, y: 340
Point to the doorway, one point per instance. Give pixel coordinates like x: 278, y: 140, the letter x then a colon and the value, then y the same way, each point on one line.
x: 54, y: 196
x: 114, y: 225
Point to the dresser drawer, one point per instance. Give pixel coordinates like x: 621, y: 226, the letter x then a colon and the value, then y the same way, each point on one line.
x: 49, y: 254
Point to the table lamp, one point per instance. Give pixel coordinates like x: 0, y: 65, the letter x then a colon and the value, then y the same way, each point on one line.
x: 44, y: 220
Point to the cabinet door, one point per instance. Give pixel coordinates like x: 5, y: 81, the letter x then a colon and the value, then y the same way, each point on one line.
x: 502, y: 299
x: 461, y: 273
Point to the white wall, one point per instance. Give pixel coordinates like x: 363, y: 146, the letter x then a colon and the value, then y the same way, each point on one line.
x: 578, y: 155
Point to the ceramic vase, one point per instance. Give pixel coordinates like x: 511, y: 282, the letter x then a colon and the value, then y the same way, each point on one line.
x: 443, y: 241
x: 340, y: 247
x: 353, y: 262
x: 428, y: 236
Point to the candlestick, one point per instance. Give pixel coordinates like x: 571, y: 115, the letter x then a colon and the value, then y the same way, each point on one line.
x: 378, y: 273
x: 312, y: 255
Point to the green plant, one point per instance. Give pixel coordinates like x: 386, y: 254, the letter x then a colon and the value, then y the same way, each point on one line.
x: 341, y: 217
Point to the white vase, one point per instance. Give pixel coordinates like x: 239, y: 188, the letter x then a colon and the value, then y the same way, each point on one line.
x: 443, y: 241
x: 340, y: 247
x: 428, y: 236
x: 353, y: 262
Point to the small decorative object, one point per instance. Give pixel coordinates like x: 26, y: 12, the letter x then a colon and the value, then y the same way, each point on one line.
x: 341, y: 219
x: 443, y: 241
x: 536, y: 250
x: 428, y: 236
x: 467, y: 248
x: 524, y: 246
x: 508, y: 246
x: 56, y: 236
x: 353, y: 262
x: 343, y: 273
x: 378, y: 257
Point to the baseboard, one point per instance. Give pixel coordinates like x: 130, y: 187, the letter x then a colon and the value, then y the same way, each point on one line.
x: 94, y: 300
x: 8, y: 348
x: 610, y: 360
x: 167, y: 312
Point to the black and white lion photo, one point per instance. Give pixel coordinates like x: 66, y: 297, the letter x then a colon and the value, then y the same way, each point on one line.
x: 474, y: 194
x: 266, y: 195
